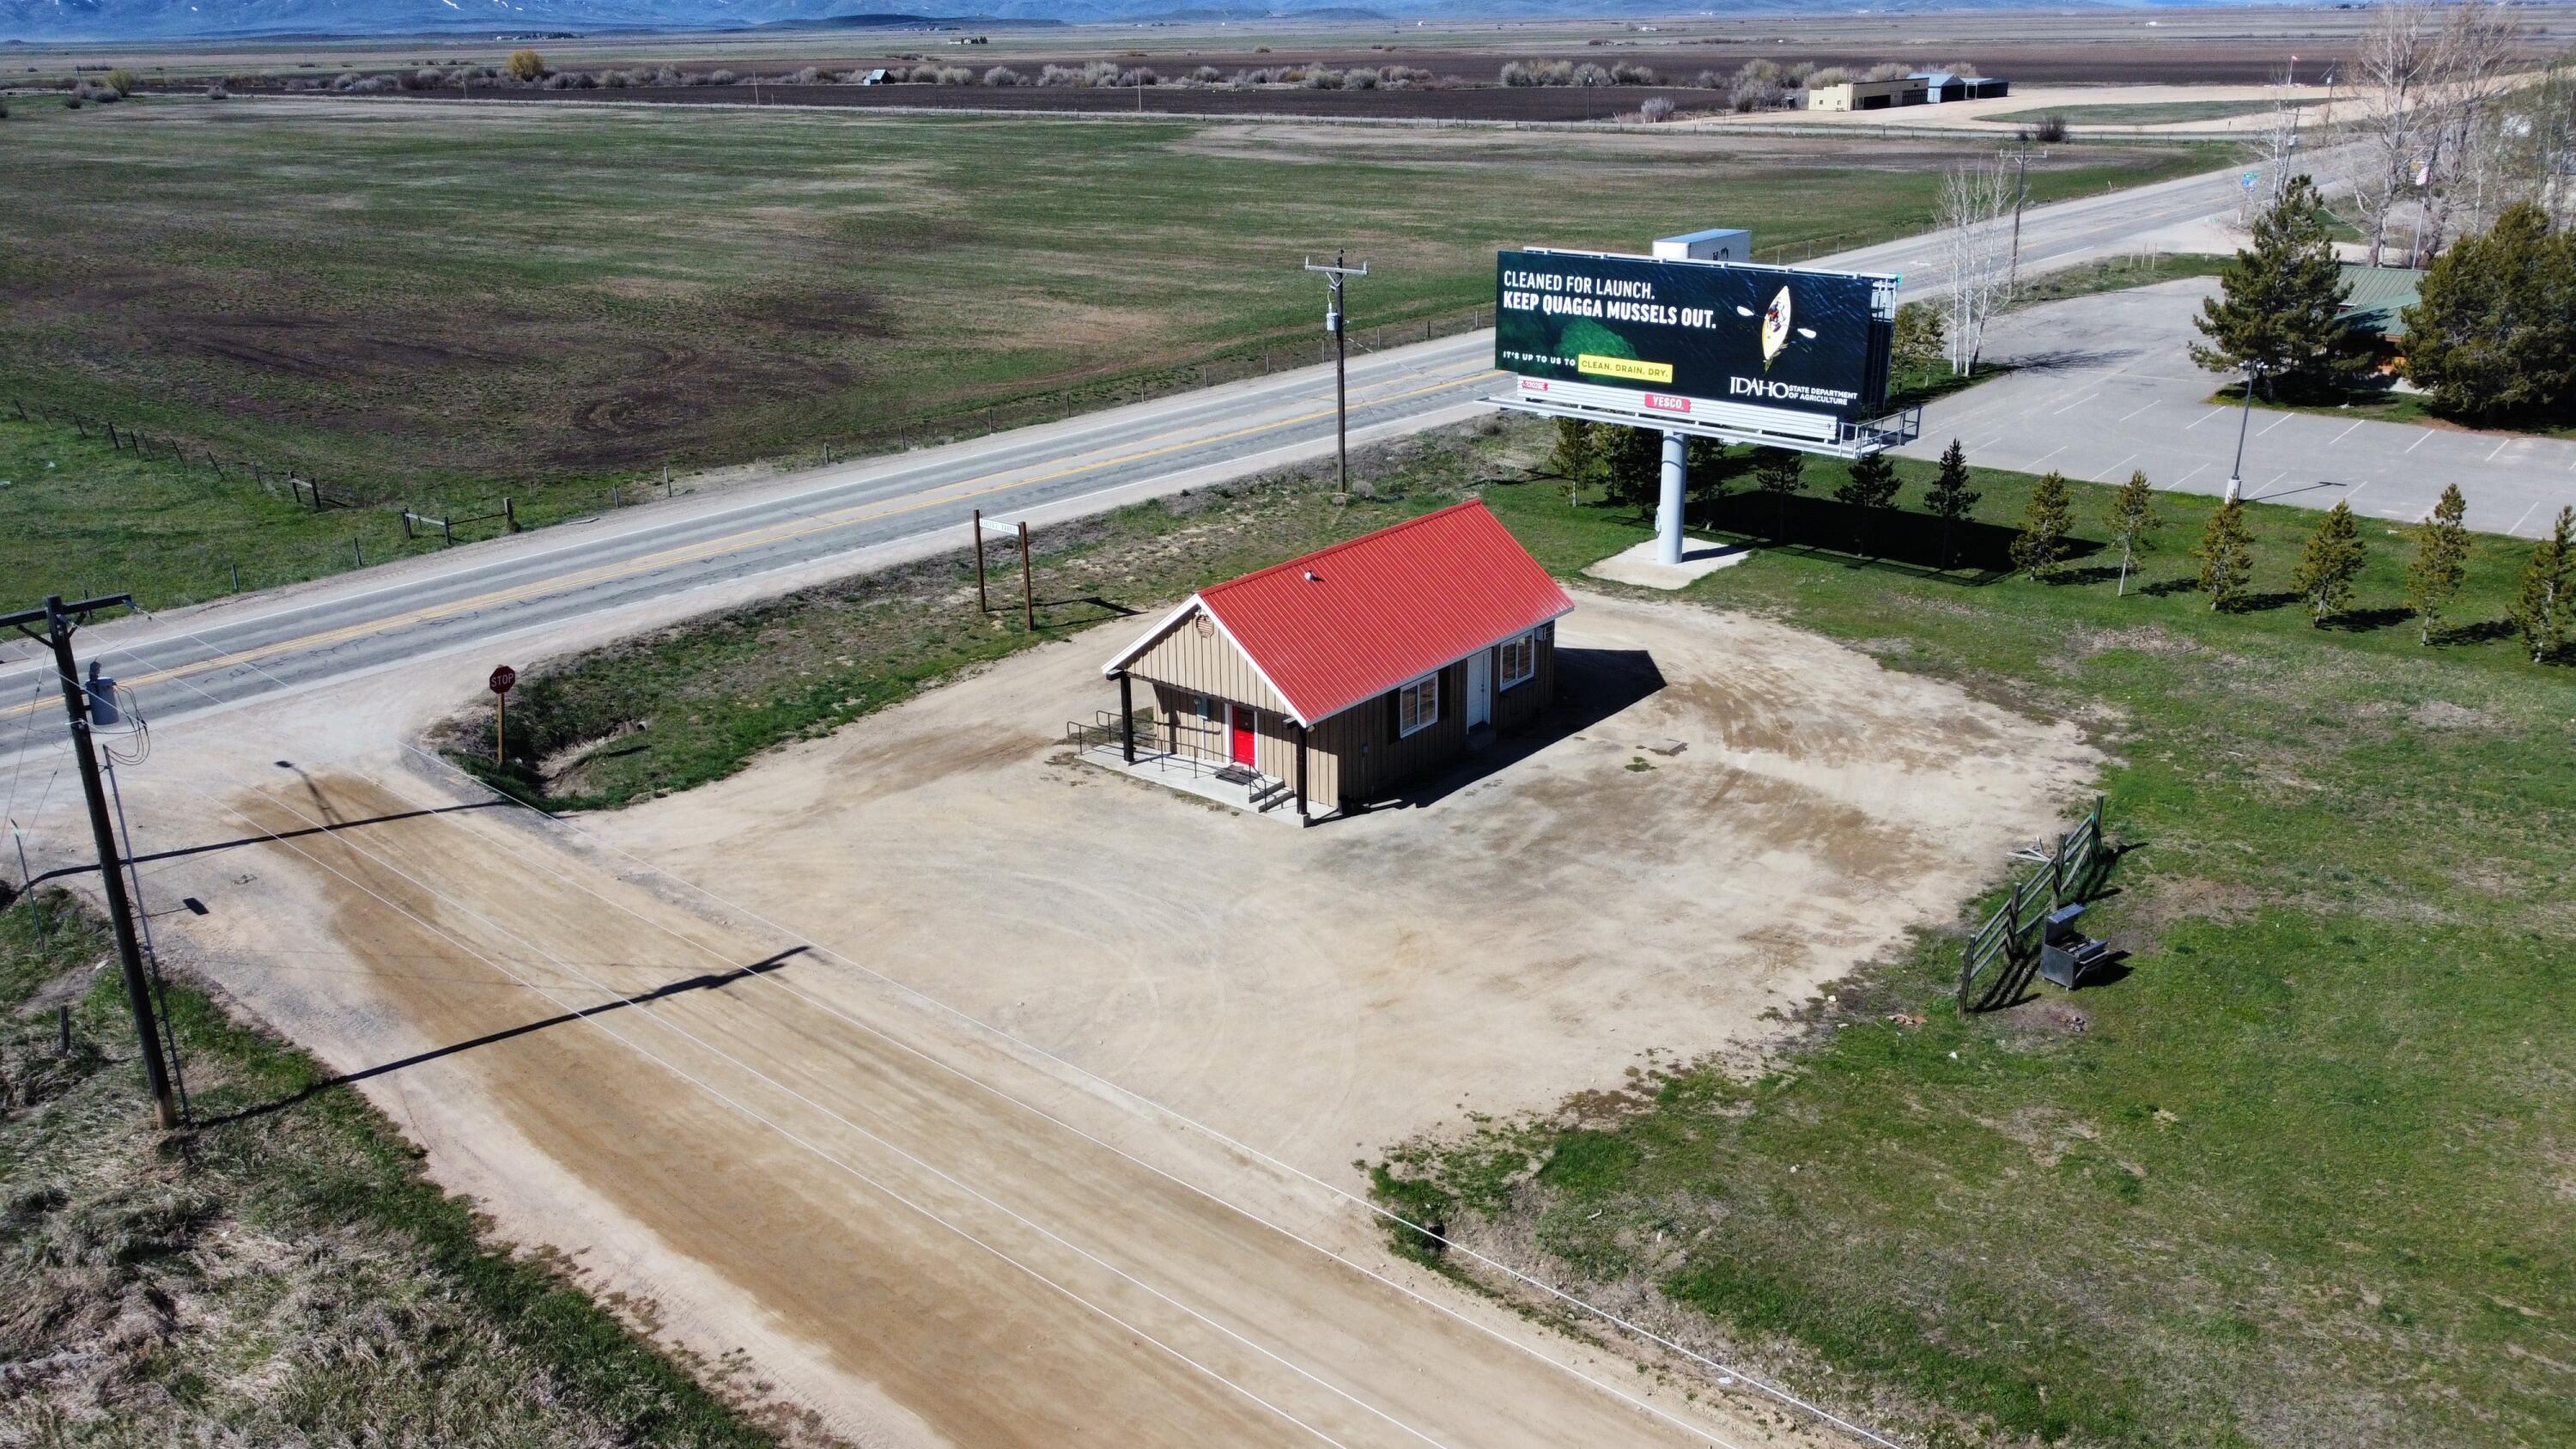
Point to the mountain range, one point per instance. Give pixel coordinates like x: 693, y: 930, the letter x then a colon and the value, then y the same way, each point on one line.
x: 113, y: 20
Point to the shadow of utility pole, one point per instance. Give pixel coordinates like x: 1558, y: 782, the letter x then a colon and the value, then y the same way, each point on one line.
x: 708, y: 982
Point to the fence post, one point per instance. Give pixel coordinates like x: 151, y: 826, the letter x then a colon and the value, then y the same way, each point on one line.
x: 406, y: 522
x: 236, y: 578
x: 510, y: 512
x: 447, y: 532
x: 358, y: 550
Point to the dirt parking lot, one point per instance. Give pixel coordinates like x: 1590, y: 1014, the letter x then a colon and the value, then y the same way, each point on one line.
x: 736, y: 1120
x: 1729, y: 814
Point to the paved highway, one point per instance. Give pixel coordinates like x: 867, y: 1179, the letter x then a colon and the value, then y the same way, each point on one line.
x: 629, y: 570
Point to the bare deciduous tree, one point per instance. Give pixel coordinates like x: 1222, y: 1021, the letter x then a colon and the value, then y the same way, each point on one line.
x: 1974, y: 216
x: 2421, y: 127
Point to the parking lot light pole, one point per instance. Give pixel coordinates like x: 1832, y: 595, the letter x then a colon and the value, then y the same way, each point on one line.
x: 1338, y: 323
x: 2244, y: 417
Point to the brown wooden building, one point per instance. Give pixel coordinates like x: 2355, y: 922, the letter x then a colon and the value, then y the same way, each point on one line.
x: 1330, y: 680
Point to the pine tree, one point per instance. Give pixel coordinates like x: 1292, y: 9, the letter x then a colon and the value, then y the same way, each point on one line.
x: 1950, y: 498
x: 2226, y: 555
x: 2441, y: 563
x: 2493, y: 333
x: 1781, y: 473
x: 2134, y: 521
x: 2042, y: 540
x: 2277, y: 317
x: 1872, y: 487
x: 2331, y: 562
x: 1633, y: 465
x: 2541, y: 612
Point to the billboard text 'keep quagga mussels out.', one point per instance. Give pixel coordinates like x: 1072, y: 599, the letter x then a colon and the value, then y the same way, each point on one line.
x: 1677, y: 331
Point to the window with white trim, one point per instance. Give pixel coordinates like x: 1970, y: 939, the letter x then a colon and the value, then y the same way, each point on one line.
x: 1417, y: 705
x: 1520, y: 659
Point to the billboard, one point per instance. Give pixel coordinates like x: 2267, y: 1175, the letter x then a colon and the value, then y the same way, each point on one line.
x: 1772, y: 350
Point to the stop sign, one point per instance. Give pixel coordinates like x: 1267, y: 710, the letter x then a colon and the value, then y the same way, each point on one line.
x: 503, y: 678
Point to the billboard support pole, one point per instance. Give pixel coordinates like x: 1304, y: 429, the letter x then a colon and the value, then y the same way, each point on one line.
x: 1668, y: 512
x: 1337, y: 323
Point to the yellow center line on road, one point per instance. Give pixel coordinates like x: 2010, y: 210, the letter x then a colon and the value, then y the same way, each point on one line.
x: 769, y: 534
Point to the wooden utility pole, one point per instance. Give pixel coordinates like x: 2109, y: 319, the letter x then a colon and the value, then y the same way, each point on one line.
x: 1337, y: 323
x: 1028, y: 592
x: 982, y: 604
x: 59, y: 620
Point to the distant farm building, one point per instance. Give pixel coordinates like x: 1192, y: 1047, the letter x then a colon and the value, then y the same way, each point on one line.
x: 1940, y: 86
x: 1923, y: 88
x: 1867, y: 95
x: 1328, y: 681
x: 875, y: 77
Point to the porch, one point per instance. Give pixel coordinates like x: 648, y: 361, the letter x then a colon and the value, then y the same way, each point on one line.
x: 1167, y: 751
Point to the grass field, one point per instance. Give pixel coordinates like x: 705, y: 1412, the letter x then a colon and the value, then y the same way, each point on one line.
x: 2117, y: 274
x: 444, y: 303
x: 2144, y: 113
x: 2303, y: 1175
x: 2381, y: 404
x: 281, y: 1275
x: 2306, y: 1174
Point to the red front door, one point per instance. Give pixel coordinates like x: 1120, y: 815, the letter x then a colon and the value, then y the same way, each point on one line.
x: 1242, y: 754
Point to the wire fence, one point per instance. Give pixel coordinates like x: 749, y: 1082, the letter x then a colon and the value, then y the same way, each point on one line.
x: 399, y: 521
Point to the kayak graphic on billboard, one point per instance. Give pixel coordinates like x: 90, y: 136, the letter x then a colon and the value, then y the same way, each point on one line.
x: 1775, y: 338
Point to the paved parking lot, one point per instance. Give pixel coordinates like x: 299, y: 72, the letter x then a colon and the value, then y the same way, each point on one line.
x: 2106, y: 384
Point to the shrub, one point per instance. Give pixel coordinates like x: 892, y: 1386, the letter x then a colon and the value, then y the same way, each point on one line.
x: 722, y: 78
x: 1142, y: 75
x: 4, y: 106
x: 1628, y: 73
x: 1539, y: 73
x: 1360, y: 80
x: 374, y: 85
x: 121, y: 81
x: 955, y: 75
x: 1207, y: 75
x: 1656, y: 108
x: 1753, y: 95
x: 1001, y: 75
x: 427, y: 78
x: 665, y: 77
x: 1588, y: 74
x: 214, y: 92
x: 1320, y: 79
x: 616, y: 80
x: 1100, y: 73
x: 72, y: 102
x: 1057, y: 75
x: 524, y: 65
x: 2049, y: 128
x: 809, y: 76
x: 1831, y: 75
x: 1889, y: 70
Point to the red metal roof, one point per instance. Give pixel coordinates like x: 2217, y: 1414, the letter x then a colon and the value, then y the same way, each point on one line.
x: 1349, y: 622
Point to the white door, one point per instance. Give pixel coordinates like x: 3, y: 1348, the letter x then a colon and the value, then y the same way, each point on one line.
x: 1480, y: 688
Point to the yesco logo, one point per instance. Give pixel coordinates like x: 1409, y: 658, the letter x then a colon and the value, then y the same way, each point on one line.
x: 1760, y: 387
x: 1666, y: 402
